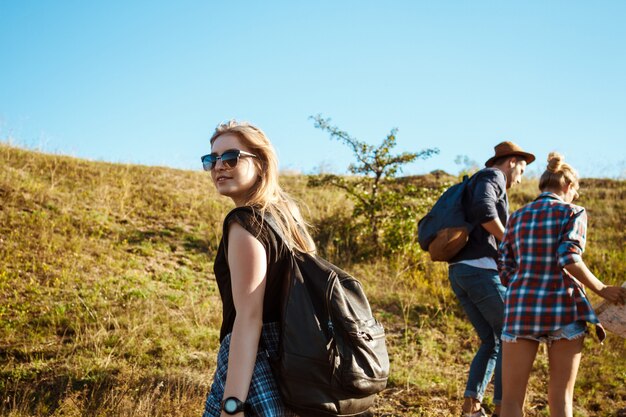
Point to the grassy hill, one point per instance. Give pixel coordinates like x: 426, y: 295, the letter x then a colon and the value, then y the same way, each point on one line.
x: 108, y: 304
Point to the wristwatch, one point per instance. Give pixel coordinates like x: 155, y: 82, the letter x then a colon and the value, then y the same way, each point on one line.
x: 233, y: 405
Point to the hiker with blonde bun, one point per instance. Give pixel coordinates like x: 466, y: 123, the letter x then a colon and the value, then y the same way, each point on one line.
x: 540, y: 262
x: 250, y: 269
x: 473, y: 272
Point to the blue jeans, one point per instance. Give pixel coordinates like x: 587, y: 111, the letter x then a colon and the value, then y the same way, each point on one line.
x: 481, y: 295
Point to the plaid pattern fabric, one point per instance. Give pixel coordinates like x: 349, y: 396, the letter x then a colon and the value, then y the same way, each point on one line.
x: 540, y: 239
x: 263, y: 395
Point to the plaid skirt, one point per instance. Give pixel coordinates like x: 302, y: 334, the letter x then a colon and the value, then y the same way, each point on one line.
x: 263, y: 395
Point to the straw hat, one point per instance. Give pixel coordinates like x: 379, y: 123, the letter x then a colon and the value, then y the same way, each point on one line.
x: 509, y: 149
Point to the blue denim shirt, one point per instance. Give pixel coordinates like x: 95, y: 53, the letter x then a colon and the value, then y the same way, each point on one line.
x: 486, y: 200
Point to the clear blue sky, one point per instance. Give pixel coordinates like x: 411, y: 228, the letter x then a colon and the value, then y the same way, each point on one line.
x: 147, y: 81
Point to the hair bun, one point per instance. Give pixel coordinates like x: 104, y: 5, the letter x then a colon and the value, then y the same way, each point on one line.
x: 555, y: 161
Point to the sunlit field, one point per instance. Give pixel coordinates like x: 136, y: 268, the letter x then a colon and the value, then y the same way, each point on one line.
x: 108, y: 304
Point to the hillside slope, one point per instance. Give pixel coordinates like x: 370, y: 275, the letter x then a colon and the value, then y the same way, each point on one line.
x: 108, y: 304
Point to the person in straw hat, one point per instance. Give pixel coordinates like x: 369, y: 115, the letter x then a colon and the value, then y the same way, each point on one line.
x: 473, y: 271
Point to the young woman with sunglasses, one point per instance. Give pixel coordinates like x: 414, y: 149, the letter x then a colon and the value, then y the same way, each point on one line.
x: 249, y: 269
x: 540, y: 262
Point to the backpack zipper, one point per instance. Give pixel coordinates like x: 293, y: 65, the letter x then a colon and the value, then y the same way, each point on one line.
x: 332, y: 345
x: 332, y: 280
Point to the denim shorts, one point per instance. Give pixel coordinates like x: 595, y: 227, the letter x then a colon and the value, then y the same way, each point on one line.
x: 572, y: 331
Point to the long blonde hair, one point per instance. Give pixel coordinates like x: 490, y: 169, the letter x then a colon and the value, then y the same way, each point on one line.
x: 557, y: 174
x: 266, y: 194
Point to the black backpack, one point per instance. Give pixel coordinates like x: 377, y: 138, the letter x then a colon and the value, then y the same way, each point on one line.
x: 332, y: 358
x: 444, y: 231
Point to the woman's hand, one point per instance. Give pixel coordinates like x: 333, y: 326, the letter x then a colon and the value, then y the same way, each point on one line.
x: 613, y: 294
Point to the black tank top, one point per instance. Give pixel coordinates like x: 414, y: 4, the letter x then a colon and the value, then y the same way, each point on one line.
x: 277, y: 264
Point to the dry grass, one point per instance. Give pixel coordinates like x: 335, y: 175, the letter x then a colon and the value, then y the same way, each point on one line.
x: 108, y: 304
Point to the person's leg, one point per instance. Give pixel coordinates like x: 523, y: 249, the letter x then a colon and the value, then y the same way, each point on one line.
x: 458, y: 275
x: 517, y: 362
x: 564, y: 357
x: 497, y: 383
x: 481, y: 295
x: 488, y: 296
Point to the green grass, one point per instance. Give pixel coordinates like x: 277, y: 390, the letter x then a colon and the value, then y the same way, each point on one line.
x: 108, y: 304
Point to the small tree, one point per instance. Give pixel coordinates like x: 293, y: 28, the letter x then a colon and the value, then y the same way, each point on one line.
x: 468, y: 166
x: 376, y: 194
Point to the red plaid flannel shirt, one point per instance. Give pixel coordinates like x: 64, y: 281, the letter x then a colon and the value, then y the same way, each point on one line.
x: 540, y: 239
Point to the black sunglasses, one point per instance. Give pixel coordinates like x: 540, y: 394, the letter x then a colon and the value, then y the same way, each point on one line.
x: 228, y: 158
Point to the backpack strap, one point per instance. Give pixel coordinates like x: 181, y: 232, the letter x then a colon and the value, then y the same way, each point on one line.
x: 271, y: 222
x: 469, y: 188
x: 469, y: 182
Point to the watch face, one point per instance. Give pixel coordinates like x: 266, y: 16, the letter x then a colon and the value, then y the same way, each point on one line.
x: 230, y: 405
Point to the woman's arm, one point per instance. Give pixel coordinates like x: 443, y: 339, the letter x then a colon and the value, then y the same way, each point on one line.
x: 611, y: 293
x: 570, y: 252
x: 247, y: 261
